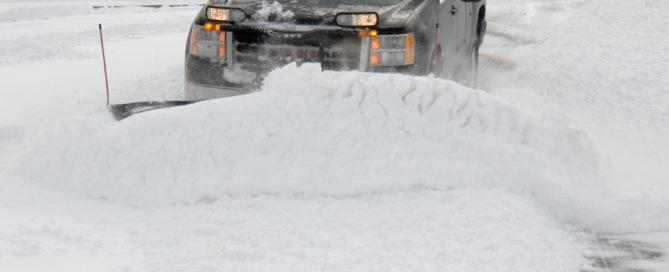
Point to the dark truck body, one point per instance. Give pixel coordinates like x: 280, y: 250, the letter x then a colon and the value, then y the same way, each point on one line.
x: 445, y: 36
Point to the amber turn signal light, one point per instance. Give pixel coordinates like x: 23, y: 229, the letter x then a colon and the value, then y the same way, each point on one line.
x: 410, y: 49
x: 210, y: 26
x: 375, y: 58
x: 367, y: 33
x: 376, y: 43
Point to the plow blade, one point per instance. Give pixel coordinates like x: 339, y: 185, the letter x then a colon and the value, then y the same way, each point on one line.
x: 121, y: 111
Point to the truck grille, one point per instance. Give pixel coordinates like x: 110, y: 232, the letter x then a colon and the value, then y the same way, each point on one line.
x: 260, y: 52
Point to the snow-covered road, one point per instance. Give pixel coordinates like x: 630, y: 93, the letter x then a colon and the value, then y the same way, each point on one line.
x: 558, y: 162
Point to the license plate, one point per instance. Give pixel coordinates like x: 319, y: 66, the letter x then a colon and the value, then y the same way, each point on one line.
x: 282, y: 52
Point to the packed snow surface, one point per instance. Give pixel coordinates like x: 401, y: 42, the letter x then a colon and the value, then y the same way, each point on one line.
x: 323, y: 170
x: 467, y: 230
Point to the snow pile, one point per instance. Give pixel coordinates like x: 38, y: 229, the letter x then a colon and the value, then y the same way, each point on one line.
x: 290, y: 177
x: 273, y: 12
x: 303, y: 134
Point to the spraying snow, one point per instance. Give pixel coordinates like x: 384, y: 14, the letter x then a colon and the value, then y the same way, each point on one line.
x: 274, y: 11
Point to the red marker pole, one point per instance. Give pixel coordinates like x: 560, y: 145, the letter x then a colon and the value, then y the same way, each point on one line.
x: 434, y: 56
x: 104, y: 61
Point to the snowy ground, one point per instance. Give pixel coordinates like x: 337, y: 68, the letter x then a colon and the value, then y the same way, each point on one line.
x: 558, y: 163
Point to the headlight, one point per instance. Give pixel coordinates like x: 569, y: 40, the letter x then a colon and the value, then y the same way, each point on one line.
x: 225, y: 15
x: 363, y: 19
x: 390, y: 50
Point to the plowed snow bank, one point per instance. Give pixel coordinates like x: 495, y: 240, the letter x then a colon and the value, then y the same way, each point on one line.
x: 329, y: 133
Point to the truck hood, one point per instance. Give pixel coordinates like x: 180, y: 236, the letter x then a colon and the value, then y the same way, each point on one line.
x: 392, y: 13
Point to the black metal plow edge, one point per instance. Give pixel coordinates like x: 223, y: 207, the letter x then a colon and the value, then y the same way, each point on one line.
x: 122, y: 111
